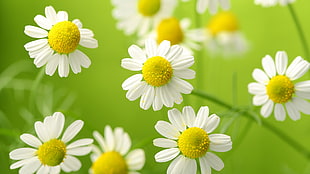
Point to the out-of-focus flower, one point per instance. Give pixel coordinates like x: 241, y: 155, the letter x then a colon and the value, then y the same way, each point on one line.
x: 270, y: 3
x: 212, y: 5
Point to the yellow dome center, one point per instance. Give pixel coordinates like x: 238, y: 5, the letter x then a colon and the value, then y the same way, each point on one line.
x: 194, y: 142
x: 148, y: 7
x: 280, y: 89
x: 157, y: 71
x: 170, y: 29
x: 223, y: 21
x: 110, y: 163
x: 52, y: 152
x: 64, y: 37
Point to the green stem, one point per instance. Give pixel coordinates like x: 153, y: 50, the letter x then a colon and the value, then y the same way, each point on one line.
x: 294, y: 144
x: 300, y: 31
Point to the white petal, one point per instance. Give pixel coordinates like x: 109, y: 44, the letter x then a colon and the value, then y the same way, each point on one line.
x: 44, y: 169
x: 213, y: 6
x: 202, y: 117
x: 281, y: 62
x: 212, y: 123
x: 302, y: 105
x: 185, y: 73
x: 184, y: 166
x: 42, y: 57
x: 171, y: 167
x: 225, y: 4
x: 36, y: 44
x: 147, y: 98
x: 77, y: 23
x: 135, y: 159
x: 79, y: 151
x: 30, y: 140
x: 35, y: 32
x: 22, y: 153
x: 292, y: 111
x: 205, y: 168
x: 260, y: 76
x: 136, y: 53
x: 80, y: 142
x: 83, y: 59
x: 51, y: 15
x: 157, y: 103
x: 167, y: 154
x: 63, y: 67
x: 256, y: 88
x: 167, y: 130
x: 131, y: 64
x: 175, y: 117
x: 174, y: 53
x: 214, y: 161
x: 136, y: 91
x: 181, y: 85
x: 165, y: 143
x: 74, y: 63
x: 52, y: 65
x: 303, y: 86
x: 31, y: 167
x: 72, y: 131
x: 62, y: 16
x: 43, y: 22
x: 165, y: 95
x: 98, y: 137
x: 59, y: 124
x: 279, y: 112
x: 86, y: 32
x: 22, y: 162
x: 267, y: 109
x: 126, y: 144
x: 41, y: 131
x: 297, y: 68
x: 88, y: 42
x: 189, y: 116
x: 163, y: 48
x: 301, y: 94
x: 109, y: 138
x: 55, y: 170
x: 150, y: 48
x: 183, y: 62
x: 269, y: 66
x: 72, y: 163
x: 201, y: 6
x: 260, y: 99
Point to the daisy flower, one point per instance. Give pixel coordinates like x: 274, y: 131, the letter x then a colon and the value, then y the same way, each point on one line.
x: 162, y: 69
x: 188, y: 139
x: 202, y: 5
x: 139, y: 16
x: 49, y: 153
x: 270, y: 3
x: 276, y: 90
x: 222, y: 35
x: 177, y: 32
x: 57, y: 43
x: 112, y: 156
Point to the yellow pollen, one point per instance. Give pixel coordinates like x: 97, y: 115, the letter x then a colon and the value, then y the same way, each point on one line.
x: 170, y: 29
x: 64, y: 37
x: 148, y: 7
x: 157, y: 71
x: 110, y: 163
x: 223, y: 21
x: 280, y: 89
x: 52, y: 152
x: 194, y: 142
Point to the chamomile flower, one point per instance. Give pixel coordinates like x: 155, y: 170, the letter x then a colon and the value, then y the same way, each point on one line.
x: 212, y: 5
x: 113, y: 156
x: 275, y: 89
x: 139, y: 16
x: 163, y: 69
x: 270, y: 3
x: 222, y: 35
x: 48, y: 152
x: 57, y: 43
x: 177, y: 32
x: 188, y: 138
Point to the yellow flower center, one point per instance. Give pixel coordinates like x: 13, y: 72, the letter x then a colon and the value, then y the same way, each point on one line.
x: 64, y: 37
x: 223, y: 21
x: 148, y: 7
x: 52, y: 152
x: 280, y: 89
x: 157, y: 71
x: 170, y: 29
x: 110, y: 163
x: 194, y: 142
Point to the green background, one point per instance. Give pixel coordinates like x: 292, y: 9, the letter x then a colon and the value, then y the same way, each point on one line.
x: 95, y: 95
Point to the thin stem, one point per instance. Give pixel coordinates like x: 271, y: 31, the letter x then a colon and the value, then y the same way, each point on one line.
x: 294, y: 144
x: 300, y: 31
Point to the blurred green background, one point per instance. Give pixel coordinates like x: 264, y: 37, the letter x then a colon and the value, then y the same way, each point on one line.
x: 95, y: 95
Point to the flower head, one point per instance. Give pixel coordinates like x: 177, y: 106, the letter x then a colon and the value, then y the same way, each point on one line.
x: 49, y: 153
x: 188, y: 138
x: 112, y: 157
x: 58, y: 42
x: 276, y: 90
x: 162, y: 68
x: 270, y: 3
x: 139, y: 16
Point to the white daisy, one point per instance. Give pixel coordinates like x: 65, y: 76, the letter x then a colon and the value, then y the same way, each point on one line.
x: 222, y: 35
x: 269, y: 3
x: 177, y: 32
x: 276, y: 90
x: 188, y: 138
x: 48, y: 153
x: 113, y: 156
x: 139, y: 16
x: 162, y: 68
x: 59, y: 39
x: 202, y: 5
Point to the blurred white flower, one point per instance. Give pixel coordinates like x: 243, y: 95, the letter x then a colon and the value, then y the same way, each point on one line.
x: 270, y: 3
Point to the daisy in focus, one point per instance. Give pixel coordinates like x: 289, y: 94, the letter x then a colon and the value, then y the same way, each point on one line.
x: 222, y: 35
x: 177, y: 32
x: 275, y: 89
x: 113, y: 156
x: 270, y: 3
x: 212, y: 5
x: 188, y: 138
x: 139, y: 16
x: 57, y: 43
x: 163, y: 69
x: 49, y: 153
